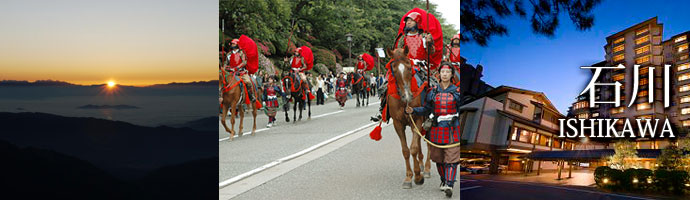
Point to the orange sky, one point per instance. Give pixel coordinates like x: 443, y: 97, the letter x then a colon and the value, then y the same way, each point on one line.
x: 91, y: 42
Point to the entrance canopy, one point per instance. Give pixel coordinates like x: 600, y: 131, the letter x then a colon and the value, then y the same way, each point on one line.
x: 585, y: 155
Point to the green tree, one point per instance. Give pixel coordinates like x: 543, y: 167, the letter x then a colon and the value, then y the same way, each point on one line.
x: 479, y: 18
x: 625, y: 155
x: 320, y: 24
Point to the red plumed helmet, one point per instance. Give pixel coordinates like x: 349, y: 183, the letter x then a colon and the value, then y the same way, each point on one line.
x: 369, y: 60
x: 415, y: 16
x: 235, y: 41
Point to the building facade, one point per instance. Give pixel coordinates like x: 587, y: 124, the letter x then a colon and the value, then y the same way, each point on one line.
x: 507, y: 123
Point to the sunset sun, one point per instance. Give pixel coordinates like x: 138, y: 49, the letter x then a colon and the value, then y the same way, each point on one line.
x: 111, y: 84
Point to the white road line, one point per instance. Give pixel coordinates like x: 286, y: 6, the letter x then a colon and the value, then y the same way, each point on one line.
x: 571, y: 189
x: 290, y: 157
x: 378, y: 102
x: 257, y: 130
x: 330, y: 113
x: 263, y: 129
x: 469, y: 188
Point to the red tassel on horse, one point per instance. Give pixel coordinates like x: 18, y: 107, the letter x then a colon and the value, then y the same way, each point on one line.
x: 257, y: 104
x: 246, y: 95
x: 376, y: 133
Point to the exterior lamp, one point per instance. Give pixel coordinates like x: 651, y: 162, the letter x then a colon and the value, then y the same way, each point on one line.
x: 635, y: 180
x: 606, y: 180
x: 649, y: 180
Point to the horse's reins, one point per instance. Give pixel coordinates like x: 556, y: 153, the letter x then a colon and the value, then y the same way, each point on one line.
x: 416, y: 130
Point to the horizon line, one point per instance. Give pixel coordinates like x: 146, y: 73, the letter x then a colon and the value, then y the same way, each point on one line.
x: 104, y: 83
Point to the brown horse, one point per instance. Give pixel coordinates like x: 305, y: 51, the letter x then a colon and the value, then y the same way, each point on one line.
x: 233, y: 97
x: 401, y: 68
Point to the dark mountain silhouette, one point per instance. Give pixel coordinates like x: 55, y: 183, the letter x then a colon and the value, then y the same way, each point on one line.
x: 203, y: 124
x: 31, y: 173
x: 117, y: 107
x: 195, y: 83
x: 125, y: 150
x: 64, y: 83
x: 35, y: 83
x: 190, y: 180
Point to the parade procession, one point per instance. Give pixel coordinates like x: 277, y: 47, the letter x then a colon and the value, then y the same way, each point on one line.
x: 324, y: 81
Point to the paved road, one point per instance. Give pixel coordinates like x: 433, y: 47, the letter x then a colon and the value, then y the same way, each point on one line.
x: 500, y: 190
x: 332, y: 157
x: 249, y: 152
x: 352, y: 167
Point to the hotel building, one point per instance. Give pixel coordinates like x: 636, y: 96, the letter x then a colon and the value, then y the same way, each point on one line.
x: 640, y: 44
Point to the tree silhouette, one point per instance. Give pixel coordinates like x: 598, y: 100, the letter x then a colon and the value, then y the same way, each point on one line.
x: 479, y: 18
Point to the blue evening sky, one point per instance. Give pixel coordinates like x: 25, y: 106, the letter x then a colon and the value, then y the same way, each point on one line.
x: 551, y: 65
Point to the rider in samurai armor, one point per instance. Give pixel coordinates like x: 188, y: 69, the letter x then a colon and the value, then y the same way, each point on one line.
x: 453, y: 55
x: 423, y: 38
x: 443, y: 102
x: 237, y: 64
x: 361, y: 65
x: 341, y: 90
x: 301, y: 62
x: 298, y: 64
x: 271, y: 99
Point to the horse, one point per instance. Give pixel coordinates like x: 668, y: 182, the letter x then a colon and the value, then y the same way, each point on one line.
x: 359, y: 84
x: 401, y: 68
x: 233, y: 97
x: 299, y: 95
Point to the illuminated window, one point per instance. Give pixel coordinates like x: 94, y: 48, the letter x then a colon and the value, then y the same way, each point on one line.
x: 525, y: 136
x: 642, y: 40
x: 617, y: 110
x: 644, y: 117
x: 686, y: 123
x: 619, y: 40
x: 618, y: 77
x: 683, y: 57
x: 581, y: 104
x: 618, y: 57
x: 682, y: 48
x: 644, y: 81
x: 642, y: 59
x: 583, y: 116
x: 544, y: 140
x: 643, y: 31
x: 595, y: 114
x: 680, y: 39
x: 683, y: 66
x: 643, y: 93
x: 642, y: 50
x: 683, y: 77
x: 685, y: 99
x: 618, y: 48
x: 646, y: 106
x: 685, y: 111
x: 684, y: 88
x: 557, y: 143
x: 644, y: 70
